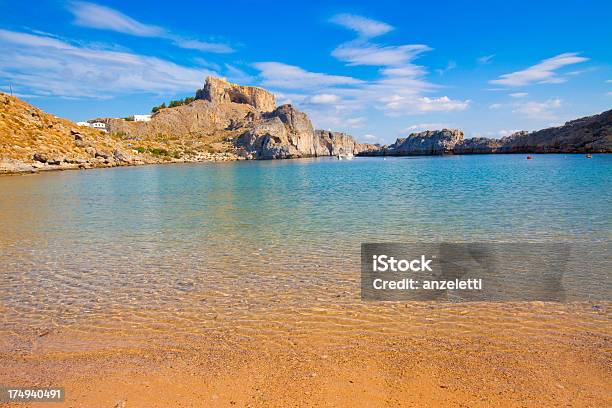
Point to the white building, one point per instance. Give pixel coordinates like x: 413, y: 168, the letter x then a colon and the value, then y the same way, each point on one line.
x: 142, y: 118
x: 85, y: 124
x: 99, y: 125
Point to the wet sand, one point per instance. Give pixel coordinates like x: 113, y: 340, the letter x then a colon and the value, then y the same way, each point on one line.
x: 416, y: 354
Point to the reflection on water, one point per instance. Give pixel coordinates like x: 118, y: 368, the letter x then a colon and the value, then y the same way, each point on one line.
x: 201, y: 246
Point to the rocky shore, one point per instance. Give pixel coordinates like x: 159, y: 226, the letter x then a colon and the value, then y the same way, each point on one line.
x: 225, y: 121
x: 592, y: 134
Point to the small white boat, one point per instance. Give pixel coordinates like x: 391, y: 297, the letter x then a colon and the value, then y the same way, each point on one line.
x: 348, y: 156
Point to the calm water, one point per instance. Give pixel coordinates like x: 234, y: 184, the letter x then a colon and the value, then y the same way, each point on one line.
x: 177, y: 246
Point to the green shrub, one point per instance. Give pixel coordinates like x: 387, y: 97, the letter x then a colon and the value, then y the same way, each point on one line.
x: 156, y: 151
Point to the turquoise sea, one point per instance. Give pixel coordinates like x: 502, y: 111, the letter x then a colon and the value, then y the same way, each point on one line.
x: 190, y: 241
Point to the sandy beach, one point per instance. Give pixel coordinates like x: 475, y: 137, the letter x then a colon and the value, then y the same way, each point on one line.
x: 411, y: 354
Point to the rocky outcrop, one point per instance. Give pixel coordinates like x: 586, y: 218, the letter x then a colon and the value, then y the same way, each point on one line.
x: 591, y: 134
x: 281, y: 134
x: 243, y: 119
x: 218, y: 90
x: 477, y: 145
x: 430, y: 142
x: 330, y: 143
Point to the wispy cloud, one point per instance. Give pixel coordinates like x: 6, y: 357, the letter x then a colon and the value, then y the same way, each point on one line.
x: 363, y: 26
x: 519, y: 94
x: 507, y: 132
x: 360, y: 53
x: 93, y: 15
x: 400, y: 89
x: 424, y: 126
x: 485, y: 59
x: 324, y: 99
x: 541, y: 73
x: 449, y: 67
x: 539, y: 110
x: 48, y: 66
x: 101, y: 17
x: 280, y: 75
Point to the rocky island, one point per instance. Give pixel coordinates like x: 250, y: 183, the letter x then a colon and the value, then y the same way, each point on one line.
x: 226, y: 121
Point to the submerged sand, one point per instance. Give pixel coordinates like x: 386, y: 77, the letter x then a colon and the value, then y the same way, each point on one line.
x: 374, y: 355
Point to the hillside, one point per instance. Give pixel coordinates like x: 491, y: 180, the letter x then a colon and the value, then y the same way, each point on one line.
x: 244, y: 120
x: 32, y: 140
x: 591, y: 134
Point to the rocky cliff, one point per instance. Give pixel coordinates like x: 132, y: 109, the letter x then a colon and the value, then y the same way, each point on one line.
x: 430, y: 142
x: 225, y: 122
x: 218, y: 90
x: 591, y: 134
x: 337, y: 143
x: 243, y: 120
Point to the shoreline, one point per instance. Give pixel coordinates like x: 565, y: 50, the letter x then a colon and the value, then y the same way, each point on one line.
x: 67, y: 167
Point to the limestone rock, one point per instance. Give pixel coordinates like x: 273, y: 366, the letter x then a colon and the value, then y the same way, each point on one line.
x: 218, y: 90
x: 281, y: 134
x: 477, y: 145
x: 40, y: 157
x: 436, y: 142
x: 330, y: 143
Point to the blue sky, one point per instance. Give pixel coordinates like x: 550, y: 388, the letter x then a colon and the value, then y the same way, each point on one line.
x: 377, y: 70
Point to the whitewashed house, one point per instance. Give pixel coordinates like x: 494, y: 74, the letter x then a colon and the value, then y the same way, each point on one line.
x: 99, y: 125
x: 84, y: 124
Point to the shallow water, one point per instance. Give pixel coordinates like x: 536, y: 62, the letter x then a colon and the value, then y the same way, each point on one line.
x: 199, y: 247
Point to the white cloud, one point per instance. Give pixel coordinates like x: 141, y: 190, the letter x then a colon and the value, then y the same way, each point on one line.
x: 201, y: 45
x: 105, y: 18
x: 279, y: 75
x: 505, y: 132
x: 495, y: 106
x: 371, y: 138
x: 96, y: 16
x: 363, y: 26
x: 541, y: 73
x: 237, y: 75
x: 449, y: 67
x: 324, y: 99
x: 424, y: 126
x: 485, y: 59
x: 538, y: 110
x: 355, y: 122
x: 443, y: 103
x: 46, y: 66
x: 360, y: 53
x: 400, y: 89
x: 519, y: 94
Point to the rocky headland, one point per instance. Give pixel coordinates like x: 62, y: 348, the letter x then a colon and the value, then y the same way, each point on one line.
x: 225, y: 121
x: 591, y: 134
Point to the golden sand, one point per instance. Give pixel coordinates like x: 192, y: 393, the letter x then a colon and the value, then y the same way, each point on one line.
x: 369, y: 355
